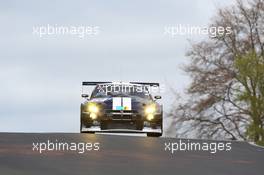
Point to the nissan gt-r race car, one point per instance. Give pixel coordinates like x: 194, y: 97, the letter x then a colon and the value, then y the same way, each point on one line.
x: 121, y: 107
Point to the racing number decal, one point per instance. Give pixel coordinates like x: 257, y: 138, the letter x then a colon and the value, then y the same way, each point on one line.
x: 121, y: 103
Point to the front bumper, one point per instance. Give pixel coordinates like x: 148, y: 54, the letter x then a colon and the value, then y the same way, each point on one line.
x: 124, y: 121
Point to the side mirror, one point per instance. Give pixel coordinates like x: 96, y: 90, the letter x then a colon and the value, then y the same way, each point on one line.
x: 157, y: 97
x: 85, y: 95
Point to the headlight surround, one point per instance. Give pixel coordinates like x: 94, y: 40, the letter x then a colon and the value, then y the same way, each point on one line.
x: 150, y: 111
x: 93, y: 108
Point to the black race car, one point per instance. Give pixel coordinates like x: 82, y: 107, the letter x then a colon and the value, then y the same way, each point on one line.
x: 121, y: 107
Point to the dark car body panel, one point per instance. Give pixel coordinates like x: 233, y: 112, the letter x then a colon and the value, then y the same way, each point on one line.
x: 123, y: 117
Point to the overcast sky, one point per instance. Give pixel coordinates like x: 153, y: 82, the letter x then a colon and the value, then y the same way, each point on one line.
x: 40, y: 78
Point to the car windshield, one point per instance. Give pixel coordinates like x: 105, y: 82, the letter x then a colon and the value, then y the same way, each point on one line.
x: 116, y: 90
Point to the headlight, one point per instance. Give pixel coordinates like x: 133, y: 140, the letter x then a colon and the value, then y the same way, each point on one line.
x: 151, y: 109
x: 93, y: 108
x: 93, y: 116
x: 150, y: 117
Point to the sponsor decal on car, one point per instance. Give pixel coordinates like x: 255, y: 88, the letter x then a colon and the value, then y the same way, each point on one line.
x: 122, y: 103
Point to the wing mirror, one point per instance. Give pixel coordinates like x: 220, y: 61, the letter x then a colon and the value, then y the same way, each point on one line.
x: 157, y: 97
x: 85, y: 95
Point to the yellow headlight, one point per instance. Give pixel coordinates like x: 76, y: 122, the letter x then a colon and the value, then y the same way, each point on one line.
x: 150, y: 117
x: 93, y: 108
x: 93, y: 116
x: 150, y: 109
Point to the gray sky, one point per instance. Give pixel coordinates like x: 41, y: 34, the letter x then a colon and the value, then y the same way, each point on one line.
x: 41, y: 77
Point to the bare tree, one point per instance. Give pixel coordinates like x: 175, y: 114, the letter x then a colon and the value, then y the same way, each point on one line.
x: 213, y: 109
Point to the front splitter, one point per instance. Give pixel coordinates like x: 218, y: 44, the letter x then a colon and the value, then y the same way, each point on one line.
x: 144, y: 130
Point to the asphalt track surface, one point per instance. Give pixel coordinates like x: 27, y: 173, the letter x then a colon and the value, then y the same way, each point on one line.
x: 123, y: 155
